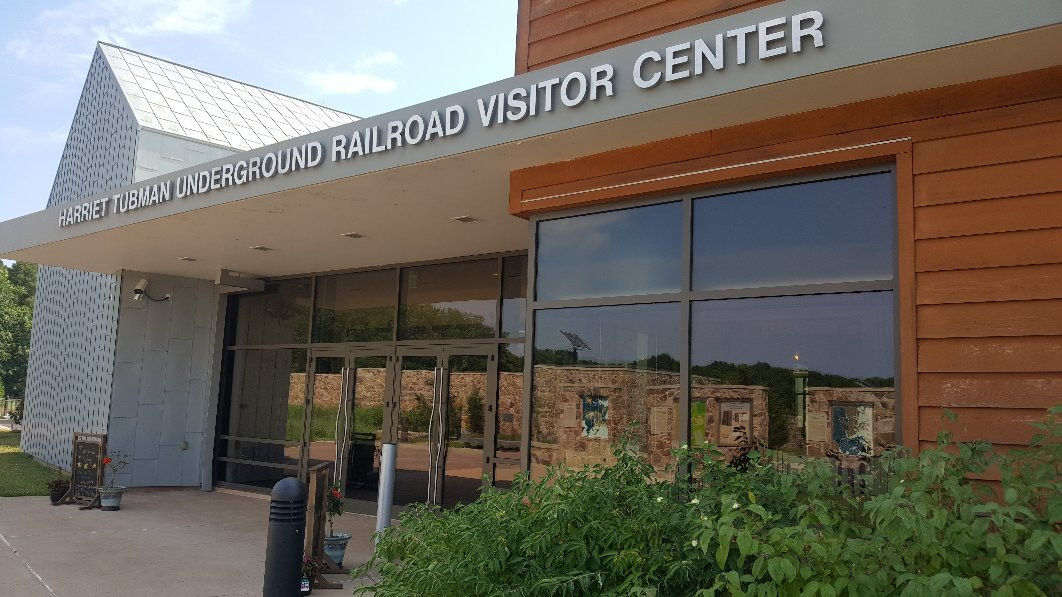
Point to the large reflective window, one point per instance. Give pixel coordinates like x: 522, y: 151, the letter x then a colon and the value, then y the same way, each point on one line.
x: 265, y: 414
x: 597, y: 371
x: 449, y: 300
x: 514, y: 296
x: 805, y: 374
x: 357, y: 307
x: 279, y: 315
x: 827, y: 231
x: 615, y: 253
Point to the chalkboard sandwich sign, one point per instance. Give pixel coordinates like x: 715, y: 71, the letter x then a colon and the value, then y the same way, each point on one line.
x: 86, y: 470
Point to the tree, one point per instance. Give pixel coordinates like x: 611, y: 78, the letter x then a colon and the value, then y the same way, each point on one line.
x: 18, y: 286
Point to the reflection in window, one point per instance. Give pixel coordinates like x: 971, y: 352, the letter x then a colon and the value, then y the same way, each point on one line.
x: 794, y: 359
x: 597, y: 371
x: 266, y: 403
x: 514, y: 296
x: 449, y: 300
x: 614, y: 253
x: 510, y: 400
x: 279, y: 315
x: 357, y: 307
x: 827, y: 231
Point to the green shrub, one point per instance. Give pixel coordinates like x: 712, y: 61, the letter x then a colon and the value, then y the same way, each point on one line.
x: 615, y: 530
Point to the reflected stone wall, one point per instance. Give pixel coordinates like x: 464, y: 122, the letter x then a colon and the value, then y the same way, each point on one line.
x: 369, y: 391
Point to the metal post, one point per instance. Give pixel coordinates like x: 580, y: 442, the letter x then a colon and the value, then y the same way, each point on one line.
x: 287, y: 525
x: 387, y: 487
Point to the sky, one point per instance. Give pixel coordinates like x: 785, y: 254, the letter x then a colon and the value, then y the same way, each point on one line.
x: 364, y: 57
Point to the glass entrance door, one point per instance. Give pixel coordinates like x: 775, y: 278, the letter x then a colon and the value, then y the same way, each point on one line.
x: 348, y: 392
x: 444, y: 439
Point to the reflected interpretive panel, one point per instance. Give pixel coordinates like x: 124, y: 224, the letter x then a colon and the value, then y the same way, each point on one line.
x: 810, y: 375
x: 598, y: 373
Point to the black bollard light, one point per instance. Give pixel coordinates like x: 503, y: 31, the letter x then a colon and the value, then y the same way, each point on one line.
x: 287, y: 534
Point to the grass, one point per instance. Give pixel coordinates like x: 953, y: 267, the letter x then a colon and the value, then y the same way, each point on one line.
x: 20, y: 474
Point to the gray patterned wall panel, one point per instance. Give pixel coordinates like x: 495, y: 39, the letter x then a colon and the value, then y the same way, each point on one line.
x: 160, y: 406
x: 71, y: 364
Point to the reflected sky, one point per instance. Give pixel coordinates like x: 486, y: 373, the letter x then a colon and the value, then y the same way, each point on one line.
x: 825, y: 231
x: 843, y: 334
x: 616, y: 253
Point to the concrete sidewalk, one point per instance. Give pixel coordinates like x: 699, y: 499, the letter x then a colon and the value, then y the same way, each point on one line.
x: 160, y: 544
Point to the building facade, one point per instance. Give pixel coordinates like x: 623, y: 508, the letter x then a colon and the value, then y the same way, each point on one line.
x: 770, y: 222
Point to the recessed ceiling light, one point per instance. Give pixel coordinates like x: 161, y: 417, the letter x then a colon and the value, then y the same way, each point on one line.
x: 186, y: 259
x: 466, y: 219
x: 352, y: 235
x: 259, y: 248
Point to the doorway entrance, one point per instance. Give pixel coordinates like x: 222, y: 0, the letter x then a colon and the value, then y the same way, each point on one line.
x: 348, y: 391
x: 445, y: 434
x: 437, y: 403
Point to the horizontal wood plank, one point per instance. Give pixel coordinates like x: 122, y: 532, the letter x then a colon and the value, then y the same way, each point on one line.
x: 990, y: 390
x: 1002, y: 180
x: 988, y: 148
x: 584, y: 14
x: 1009, y: 214
x: 541, y: 8
x: 1026, y: 247
x: 1005, y: 318
x: 1006, y: 355
x: 625, y: 28
x: 997, y: 425
x: 1029, y: 282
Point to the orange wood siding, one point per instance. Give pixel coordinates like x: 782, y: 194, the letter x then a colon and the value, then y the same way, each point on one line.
x: 552, y: 31
x: 979, y: 187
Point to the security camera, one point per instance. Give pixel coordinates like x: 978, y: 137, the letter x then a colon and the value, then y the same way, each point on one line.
x: 140, y: 289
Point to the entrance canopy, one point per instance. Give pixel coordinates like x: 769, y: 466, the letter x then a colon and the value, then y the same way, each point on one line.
x: 400, y: 186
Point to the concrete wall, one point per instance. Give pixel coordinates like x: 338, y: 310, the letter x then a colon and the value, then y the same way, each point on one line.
x: 161, y: 411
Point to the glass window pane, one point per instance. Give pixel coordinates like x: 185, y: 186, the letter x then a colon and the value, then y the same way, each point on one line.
x: 804, y: 374
x: 279, y: 315
x: 826, y: 231
x: 615, y: 253
x: 514, y: 296
x: 449, y: 300
x: 357, y: 307
x: 597, y: 371
x: 266, y: 402
x: 510, y: 400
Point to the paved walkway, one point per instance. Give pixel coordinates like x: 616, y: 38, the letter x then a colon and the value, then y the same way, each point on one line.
x: 160, y: 544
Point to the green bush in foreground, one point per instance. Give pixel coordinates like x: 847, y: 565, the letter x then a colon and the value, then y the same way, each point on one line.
x: 614, y: 530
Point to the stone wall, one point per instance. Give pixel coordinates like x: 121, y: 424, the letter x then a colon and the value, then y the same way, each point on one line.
x: 881, y: 400
x: 713, y: 394
x: 370, y: 383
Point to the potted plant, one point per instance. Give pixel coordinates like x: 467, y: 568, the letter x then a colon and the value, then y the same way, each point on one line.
x: 310, y: 567
x: 335, y: 544
x: 111, y: 494
x: 57, y: 488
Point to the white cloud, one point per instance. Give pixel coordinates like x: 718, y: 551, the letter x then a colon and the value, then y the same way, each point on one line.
x: 356, y: 80
x: 348, y: 83
x: 66, y: 36
x: 384, y: 58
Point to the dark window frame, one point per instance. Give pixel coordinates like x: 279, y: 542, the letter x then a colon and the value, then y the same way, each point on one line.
x: 687, y: 296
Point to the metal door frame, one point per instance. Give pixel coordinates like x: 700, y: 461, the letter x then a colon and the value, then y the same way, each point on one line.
x: 441, y: 406
x: 347, y: 392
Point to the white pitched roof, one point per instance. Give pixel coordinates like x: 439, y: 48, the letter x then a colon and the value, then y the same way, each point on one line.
x: 198, y: 105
